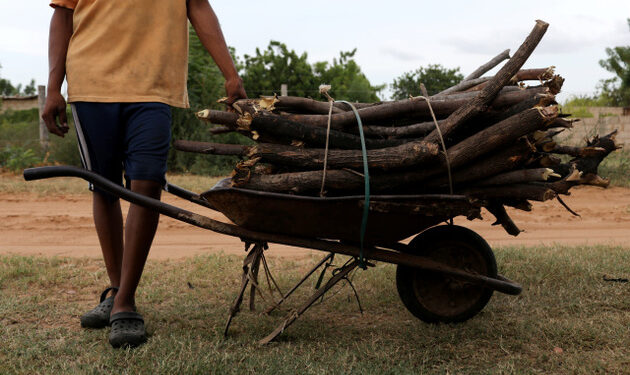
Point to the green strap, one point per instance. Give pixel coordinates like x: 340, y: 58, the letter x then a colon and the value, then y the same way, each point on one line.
x: 366, y: 174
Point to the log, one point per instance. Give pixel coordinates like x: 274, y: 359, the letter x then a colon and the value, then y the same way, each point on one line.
x: 378, y: 114
x: 478, y: 84
x: 539, y: 74
x: 281, y: 127
x: 408, y: 131
x: 504, y: 132
x: 304, y: 105
x: 210, y: 148
x: 414, y: 108
x: 489, y: 65
x: 504, y: 160
x: 532, y: 192
x: 489, y: 93
x: 519, y: 176
x: 406, y: 155
x: 498, y: 210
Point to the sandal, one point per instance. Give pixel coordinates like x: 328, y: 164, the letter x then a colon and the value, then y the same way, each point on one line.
x: 127, y: 330
x: 98, y: 317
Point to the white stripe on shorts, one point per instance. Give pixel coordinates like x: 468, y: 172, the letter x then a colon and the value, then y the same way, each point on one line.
x: 83, y: 150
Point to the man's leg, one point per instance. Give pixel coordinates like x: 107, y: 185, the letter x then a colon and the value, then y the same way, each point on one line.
x: 109, y: 228
x: 140, y: 229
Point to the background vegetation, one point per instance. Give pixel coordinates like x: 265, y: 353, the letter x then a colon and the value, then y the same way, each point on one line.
x: 263, y: 73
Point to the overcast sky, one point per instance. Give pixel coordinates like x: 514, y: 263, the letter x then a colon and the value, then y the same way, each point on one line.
x: 392, y: 37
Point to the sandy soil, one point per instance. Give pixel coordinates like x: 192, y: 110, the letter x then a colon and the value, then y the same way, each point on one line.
x: 62, y: 225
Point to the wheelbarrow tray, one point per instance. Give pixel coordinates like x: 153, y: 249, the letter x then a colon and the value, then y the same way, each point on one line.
x: 390, y: 219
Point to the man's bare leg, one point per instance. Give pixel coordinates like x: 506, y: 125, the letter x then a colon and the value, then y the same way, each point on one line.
x: 139, y: 232
x: 109, y: 228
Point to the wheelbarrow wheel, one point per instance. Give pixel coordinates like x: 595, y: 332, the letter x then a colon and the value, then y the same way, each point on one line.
x: 438, y: 298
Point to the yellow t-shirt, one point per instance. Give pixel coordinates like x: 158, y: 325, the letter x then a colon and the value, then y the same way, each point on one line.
x: 128, y: 51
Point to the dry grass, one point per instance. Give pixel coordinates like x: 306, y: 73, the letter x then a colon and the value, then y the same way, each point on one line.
x: 567, y: 321
x: 13, y: 183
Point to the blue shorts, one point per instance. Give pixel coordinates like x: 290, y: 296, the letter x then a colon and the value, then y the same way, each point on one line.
x: 129, y: 137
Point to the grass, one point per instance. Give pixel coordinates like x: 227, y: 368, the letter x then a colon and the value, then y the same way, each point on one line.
x: 568, y: 320
x: 14, y: 183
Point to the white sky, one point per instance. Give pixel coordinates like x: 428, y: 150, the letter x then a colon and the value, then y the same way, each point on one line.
x: 392, y: 36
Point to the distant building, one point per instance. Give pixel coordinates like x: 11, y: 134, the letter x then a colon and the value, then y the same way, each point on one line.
x: 17, y: 103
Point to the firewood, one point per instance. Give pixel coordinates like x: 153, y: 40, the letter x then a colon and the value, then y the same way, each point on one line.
x: 489, y: 93
x: 489, y: 65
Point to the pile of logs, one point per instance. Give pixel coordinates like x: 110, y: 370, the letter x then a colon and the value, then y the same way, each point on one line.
x: 498, y: 136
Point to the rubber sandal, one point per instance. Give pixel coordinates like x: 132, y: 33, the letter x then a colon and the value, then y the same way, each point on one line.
x: 98, y: 317
x: 127, y: 330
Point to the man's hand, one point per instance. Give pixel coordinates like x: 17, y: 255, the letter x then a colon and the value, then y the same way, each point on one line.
x: 55, y: 109
x: 234, y: 90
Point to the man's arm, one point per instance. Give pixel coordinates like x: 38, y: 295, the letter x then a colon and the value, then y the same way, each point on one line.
x: 58, y: 40
x: 206, y: 24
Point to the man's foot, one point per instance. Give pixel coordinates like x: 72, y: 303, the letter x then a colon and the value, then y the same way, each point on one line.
x: 98, y: 317
x: 127, y: 330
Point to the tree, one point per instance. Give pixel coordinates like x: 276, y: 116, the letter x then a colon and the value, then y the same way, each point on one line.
x: 435, y: 78
x: 346, y: 79
x: 617, y: 89
x: 6, y: 88
x: 265, y: 72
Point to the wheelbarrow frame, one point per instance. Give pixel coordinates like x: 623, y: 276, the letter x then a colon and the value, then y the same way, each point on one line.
x: 394, y: 253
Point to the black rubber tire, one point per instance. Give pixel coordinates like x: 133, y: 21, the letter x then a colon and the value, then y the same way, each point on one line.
x: 437, y: 298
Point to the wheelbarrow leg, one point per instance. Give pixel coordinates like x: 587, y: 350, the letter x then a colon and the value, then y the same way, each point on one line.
x: 252, y: 259
x: 254, y: 274
x: 343, y: 272
x: 308, y: 274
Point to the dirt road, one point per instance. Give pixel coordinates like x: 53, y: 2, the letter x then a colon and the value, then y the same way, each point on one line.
x: 62, y: 225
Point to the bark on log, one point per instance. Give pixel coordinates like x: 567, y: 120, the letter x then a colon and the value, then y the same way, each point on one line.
x: 518, y: 177
x: 504, y: 132
x: 304, y: 105
x: 517, y: 191
x: 282, y: 127
x: 539, y: 74
x: 380, y: 114
x: 210, y: 148
x: 402, y: 156
x: 503, y: 219
x: 489, y: 93
x: 505, y: 160
x: 414, y: 108
x: 489, y: 65
x: 478, y: 84
x: 408, y: 131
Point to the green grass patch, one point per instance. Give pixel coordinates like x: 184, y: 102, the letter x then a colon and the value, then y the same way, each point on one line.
x: 565, y: 304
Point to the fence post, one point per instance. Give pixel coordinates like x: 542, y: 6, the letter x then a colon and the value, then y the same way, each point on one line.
x: 43, y: 131
x: 284, y: 90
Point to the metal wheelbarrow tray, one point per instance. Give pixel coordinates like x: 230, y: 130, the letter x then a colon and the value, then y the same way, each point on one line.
x: 447, y: 273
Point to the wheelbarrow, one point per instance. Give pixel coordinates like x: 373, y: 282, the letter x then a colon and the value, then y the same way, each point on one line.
x: 446, y: 273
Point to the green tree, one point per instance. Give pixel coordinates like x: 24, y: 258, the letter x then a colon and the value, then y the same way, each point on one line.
x: 435, y: 78
x: 347, y: 80
x: 265, y: 72
x: 617, y: 89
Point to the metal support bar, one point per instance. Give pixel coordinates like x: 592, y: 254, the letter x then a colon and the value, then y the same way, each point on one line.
x: 294, y: 315
x: 252, y: 258
x: 308, y: 274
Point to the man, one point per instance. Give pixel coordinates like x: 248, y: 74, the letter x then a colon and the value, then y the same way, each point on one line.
x: 125, y: 63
